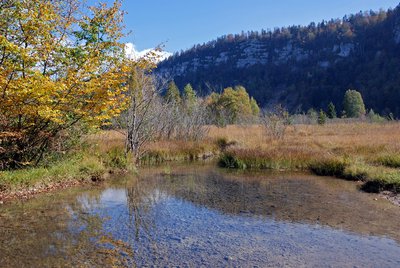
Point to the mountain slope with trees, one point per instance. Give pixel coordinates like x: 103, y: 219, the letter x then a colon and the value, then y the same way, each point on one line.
x: 302, y: 67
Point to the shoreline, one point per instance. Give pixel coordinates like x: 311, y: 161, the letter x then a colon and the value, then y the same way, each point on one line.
x: 392, y: 197
x: 24, y: 194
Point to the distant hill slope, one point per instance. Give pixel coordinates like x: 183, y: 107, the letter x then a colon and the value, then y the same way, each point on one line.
x: 302, y: 66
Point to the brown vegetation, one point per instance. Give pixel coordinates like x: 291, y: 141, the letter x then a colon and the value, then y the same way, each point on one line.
x: 355, y: 143
x: 354, y: 151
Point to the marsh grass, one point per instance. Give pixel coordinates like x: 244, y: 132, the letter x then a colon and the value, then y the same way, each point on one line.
x: 174, y: 150
x: 388, y: 160
x: 158, y: 151
x: 328, y: 167
x: 368, y: 152
x: 359, y: 151
x: 353, y: 151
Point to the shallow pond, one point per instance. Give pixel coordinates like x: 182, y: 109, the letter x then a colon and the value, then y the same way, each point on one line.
x: 191, y: 216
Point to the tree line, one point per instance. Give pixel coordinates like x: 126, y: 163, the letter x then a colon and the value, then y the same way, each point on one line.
x: 63, y: 71
x: 303, y: 67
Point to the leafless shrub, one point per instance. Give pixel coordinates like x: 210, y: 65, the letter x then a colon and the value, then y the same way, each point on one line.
x: 276, y: 122
x: 192, y: 124
x: 143, y: 118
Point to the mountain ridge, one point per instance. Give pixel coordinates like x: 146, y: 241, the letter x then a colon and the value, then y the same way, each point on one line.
x: 302, y: 67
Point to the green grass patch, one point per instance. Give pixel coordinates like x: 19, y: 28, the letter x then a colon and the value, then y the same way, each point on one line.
x: 357, y: 171
x: 115, y: 158
x: 328, y: 167
x: 77, y: 167
x: 375, y: 178
x: 392, y: 160
x: 228, y: 160
x: 382, y: 179
x: 253, y: 159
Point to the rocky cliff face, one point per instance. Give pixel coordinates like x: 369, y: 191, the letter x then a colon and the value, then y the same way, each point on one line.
x: 255, y: 52
x: 302, y: 67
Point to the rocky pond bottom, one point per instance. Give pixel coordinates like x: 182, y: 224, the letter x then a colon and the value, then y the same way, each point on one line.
x: 191, y: 216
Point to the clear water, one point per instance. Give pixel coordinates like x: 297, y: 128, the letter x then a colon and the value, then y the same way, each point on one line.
x: 202, y: 216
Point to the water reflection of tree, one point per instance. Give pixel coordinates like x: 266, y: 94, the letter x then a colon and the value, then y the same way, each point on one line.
x: 142, y: 197
x: 61, y: 233
x: 137, y: 223
x: 94, y: 245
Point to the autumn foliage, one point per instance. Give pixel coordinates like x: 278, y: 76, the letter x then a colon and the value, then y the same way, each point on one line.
x: 60, y: 65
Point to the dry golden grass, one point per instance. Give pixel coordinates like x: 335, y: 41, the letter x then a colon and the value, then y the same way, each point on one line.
x: 157, y: 151
x: 358, y: 151
x: 107, y: 140
x: 361, y: 140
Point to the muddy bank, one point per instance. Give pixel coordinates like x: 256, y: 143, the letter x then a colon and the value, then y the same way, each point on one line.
x: 29, y: 192
x: 392, y: 197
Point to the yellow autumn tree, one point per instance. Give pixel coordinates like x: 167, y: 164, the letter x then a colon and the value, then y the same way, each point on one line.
x: 60, y: 64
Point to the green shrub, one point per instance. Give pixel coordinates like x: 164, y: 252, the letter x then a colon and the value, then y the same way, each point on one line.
x: 228, y: 160
x: 353, y: 104
x: 222, y: 143
x: 116, y: 158
x: 375, y: 118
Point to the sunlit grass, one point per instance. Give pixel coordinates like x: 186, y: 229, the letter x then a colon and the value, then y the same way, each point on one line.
x: 78, y: 167
x: 353, y: 151
x: 356, y: 151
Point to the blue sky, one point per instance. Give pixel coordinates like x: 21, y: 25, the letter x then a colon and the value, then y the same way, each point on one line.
x: 182, y: 23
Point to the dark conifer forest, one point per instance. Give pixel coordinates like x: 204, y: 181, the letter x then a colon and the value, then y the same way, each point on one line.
x: 302, y: 67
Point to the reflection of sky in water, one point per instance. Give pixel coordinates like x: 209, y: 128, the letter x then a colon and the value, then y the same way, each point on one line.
x: 205, y: 217
x: 113, y: 196
x: 171, y: 230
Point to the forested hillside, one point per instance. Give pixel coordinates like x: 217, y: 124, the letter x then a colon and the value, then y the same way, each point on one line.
x: 302, y: 66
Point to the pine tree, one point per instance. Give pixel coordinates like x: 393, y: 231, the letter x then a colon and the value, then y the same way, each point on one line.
x: 173, y: 94
x: 321, y: 117
x: 189, y: 97
x: 331, y: 111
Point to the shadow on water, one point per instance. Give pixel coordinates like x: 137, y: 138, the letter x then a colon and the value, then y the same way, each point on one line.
x: 200, y: 215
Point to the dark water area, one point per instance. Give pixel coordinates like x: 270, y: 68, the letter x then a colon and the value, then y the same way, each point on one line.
x: 191, y: 216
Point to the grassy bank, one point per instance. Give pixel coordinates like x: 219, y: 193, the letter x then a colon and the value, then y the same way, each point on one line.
x: 369, y: 152
x: 89, y: 165
x: 358, y: 151
x: 102, y: 154
x: 353, y: 151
